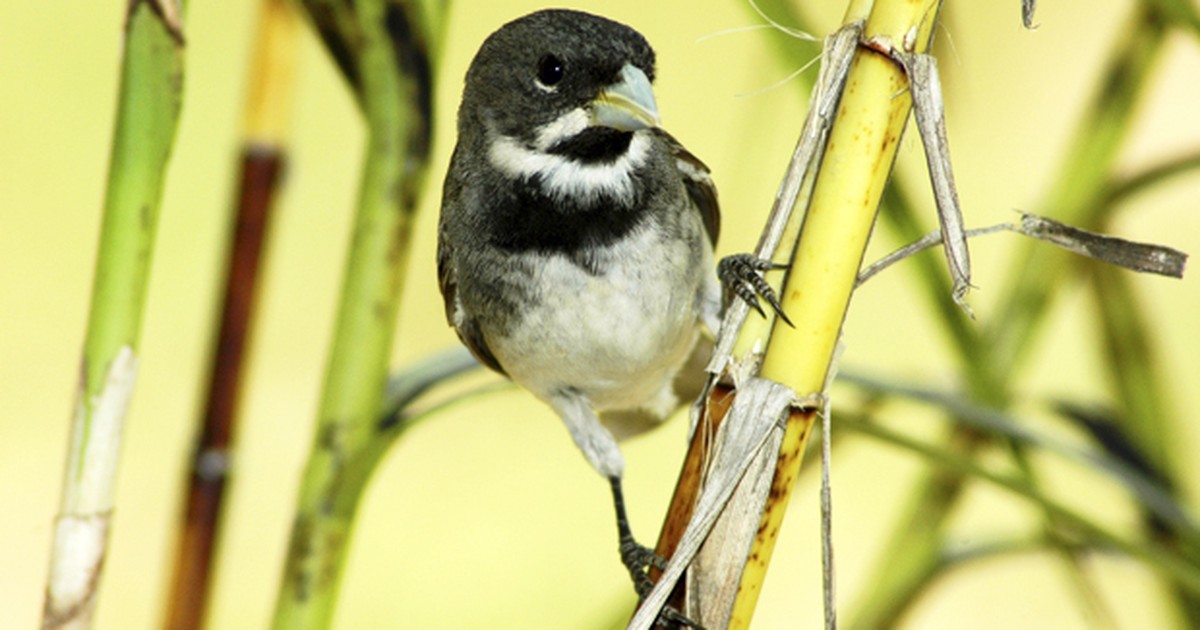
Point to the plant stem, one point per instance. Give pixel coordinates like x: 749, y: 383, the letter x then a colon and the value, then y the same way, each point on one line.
x: 262, y: 165
x: 147, y: 116
x: 904, y: 566
x: 857, y: 161
x: 389, y: 68
x: 1144, y: 408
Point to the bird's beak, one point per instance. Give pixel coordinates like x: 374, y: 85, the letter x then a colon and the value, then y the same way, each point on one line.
x: 628, y: 104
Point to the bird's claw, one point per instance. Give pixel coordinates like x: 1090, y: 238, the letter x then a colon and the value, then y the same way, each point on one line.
x: 742, y: 275
x: 638, y: 559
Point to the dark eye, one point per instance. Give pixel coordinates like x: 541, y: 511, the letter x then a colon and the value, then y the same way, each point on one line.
x: 550, y: 70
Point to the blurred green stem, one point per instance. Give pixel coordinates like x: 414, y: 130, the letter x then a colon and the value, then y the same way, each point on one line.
x: 147, y: 117
x: 1149, y: 178
x: 913, y: 548
x: 1158, y: 557
x: 382, y: 47
x: 1144, y: 406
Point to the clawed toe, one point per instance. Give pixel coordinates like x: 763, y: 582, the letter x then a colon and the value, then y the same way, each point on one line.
x: 742, y: 274
x: 638, y: 559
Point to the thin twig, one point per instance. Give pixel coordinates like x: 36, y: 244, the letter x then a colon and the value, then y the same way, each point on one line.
x: 828, y: 570
x: 926, y: 90
x: 1132, y: 255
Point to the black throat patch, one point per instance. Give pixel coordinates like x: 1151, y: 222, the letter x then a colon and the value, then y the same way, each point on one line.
x: 594, y: 145
x: 527, y: 219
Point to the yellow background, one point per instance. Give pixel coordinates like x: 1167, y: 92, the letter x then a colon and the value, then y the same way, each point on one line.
x: 488, y: 517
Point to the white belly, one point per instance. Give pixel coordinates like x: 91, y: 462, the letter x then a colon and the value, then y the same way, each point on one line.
x: 618, y: 337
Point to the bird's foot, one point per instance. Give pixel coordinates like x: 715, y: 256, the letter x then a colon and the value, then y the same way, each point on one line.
x: 638, y: 559
x: 742, y: 275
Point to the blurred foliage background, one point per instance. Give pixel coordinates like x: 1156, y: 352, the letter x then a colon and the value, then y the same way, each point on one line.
x: 495, y: 520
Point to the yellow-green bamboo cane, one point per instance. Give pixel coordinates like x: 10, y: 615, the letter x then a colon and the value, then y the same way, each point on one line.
x: 857, y: 162
x: 147, y: 116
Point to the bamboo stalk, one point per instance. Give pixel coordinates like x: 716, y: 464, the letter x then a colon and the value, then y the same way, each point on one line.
x: 262, y: 165
x: 382, y: 47
x: 147, y: 117
x: 830, y: 239
x: 858, y: 159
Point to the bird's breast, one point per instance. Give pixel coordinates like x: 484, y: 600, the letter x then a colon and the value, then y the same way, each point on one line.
x: 616, y: 329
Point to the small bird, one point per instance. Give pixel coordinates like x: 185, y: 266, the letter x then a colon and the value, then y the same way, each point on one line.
x: 575, y: 245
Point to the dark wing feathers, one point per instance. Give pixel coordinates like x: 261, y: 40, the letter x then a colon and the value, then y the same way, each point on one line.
x: 699, y: 185
x: 466, y: 327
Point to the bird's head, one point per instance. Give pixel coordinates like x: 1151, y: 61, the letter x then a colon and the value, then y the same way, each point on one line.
x: 564, y: 83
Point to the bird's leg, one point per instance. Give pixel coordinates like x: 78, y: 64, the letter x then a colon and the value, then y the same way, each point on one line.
x: 741, y: 274
x: 635, y: 556
x: 638, y: 559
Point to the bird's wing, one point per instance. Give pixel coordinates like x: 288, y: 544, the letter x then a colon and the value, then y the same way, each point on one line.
x: 465, y: 325
x: 699, y: 184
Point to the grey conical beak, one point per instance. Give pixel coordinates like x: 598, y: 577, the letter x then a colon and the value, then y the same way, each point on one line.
x: 628, y: 104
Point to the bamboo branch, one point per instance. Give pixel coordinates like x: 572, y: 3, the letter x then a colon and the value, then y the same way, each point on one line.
x: 687, y: 525
x: 147, y: 116
x: 382, y: 47
x: 1131, y: 255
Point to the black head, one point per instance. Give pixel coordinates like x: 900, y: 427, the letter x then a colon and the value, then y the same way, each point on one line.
x: 540, y: 66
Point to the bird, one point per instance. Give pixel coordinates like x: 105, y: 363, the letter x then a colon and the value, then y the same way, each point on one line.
x: 576, y: 237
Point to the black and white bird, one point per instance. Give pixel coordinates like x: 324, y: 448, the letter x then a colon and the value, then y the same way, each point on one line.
x: 575, y: 246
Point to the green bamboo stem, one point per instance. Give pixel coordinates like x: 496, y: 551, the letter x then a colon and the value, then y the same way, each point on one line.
x: 900, y: 217
x: 382, y: 47
x: 147, y: 116
x: 903, y: 567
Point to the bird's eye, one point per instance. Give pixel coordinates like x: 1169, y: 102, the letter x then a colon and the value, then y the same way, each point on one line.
x: 550, y: 70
